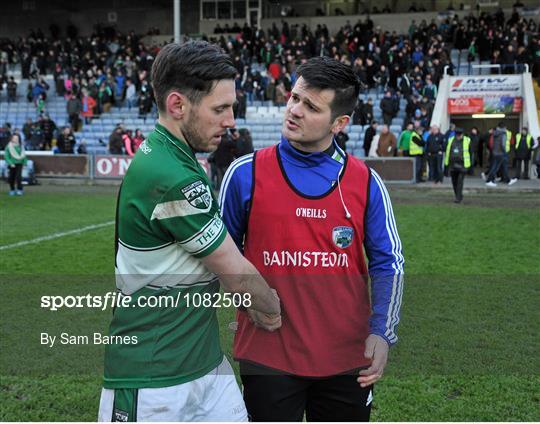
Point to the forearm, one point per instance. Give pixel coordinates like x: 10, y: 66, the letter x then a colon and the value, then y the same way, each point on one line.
x: 386, y: 261
x: 386, y: 297
x: 262, y: 298
x: 238, y: 275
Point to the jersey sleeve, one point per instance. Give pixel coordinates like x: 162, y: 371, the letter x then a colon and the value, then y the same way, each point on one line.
x: 235, y: 198
x: 190, y: 214
x: 383, y: 248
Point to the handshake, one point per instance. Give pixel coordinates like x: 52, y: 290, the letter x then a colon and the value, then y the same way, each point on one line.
x: 268, y: 322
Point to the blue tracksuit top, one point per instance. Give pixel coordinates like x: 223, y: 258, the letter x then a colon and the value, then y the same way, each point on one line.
x: 313, y: 174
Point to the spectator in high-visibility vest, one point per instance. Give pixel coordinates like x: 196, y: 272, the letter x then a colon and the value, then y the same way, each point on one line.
x: 416, y: 150
x: 536, y: 160
x: 524, y: 148
x: 458, y: 161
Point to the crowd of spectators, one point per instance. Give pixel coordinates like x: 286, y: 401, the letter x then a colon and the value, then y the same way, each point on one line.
x: 92, y: 73
x: 107, y: 68
x: 408, y: 65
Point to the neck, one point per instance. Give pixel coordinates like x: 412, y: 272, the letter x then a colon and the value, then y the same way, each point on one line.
x: 315, y: 146
x: 172, y: 128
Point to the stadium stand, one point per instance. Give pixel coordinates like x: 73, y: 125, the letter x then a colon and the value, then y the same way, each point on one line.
x: 401, y: 63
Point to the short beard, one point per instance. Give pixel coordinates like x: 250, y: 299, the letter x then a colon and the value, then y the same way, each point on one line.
x: 192, y: 135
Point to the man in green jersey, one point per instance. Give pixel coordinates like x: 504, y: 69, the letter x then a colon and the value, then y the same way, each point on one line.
x: 405, y: 140
x: 171, y: 247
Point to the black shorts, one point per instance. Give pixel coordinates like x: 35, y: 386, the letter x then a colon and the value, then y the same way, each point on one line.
x: 275, y: 396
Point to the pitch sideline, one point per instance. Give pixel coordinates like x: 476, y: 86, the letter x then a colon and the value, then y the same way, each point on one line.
x: 56, y: 235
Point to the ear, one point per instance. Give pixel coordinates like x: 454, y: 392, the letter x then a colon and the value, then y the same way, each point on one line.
x: 340, y: 123
x: 176, y: 105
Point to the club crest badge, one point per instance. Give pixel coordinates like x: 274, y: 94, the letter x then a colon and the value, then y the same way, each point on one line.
x: 342, y: 236
x: 198, y: 195
x: 144, y: 147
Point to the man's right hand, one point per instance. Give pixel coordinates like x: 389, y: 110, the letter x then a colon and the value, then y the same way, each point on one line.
x: 265, y: 321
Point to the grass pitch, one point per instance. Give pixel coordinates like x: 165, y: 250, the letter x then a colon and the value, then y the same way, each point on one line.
x: 468, y: 347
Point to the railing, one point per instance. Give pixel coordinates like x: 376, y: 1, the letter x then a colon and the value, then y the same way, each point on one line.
x: 495, y: 68
x: 113, y: 167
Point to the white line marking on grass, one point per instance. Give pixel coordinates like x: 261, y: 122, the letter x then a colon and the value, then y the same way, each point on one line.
x: 56, y: 235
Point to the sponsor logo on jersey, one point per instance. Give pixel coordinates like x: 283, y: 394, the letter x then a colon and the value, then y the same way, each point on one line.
x: 144, y: 148
x: 121, y: 416
x: 342, y: 236
x: 285, y: 258
x: 198, y: 195
x: 311, y: 213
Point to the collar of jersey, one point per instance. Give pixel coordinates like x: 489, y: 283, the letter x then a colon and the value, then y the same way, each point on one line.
x: 309, y: 160
x: 184, y: 148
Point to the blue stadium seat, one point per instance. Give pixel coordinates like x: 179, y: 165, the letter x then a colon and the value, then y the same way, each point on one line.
x: 398, y: 122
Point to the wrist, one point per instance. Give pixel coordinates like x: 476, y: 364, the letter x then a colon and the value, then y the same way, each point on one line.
x: 382, y: 336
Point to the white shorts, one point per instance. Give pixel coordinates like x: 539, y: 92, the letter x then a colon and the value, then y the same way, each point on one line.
x: 213, y: 397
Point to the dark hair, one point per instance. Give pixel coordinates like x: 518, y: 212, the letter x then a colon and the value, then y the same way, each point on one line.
x: 192, y: 68
x: 327, y: 73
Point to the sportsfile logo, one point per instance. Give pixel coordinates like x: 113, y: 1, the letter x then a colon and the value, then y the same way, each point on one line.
x: 108, y: 301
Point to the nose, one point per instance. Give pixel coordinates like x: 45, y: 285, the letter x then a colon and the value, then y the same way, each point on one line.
x: 296, y: 109
x: 229, y: 121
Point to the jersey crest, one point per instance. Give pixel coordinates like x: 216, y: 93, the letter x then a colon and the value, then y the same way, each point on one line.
x: 342, y: 236
x: 198, y: 195
x: 145, y: 148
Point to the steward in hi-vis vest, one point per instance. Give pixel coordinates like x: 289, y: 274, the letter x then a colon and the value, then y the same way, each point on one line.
x: 524, y: 148
x: 508, y: 143
x: 458, y: 161
x: 416, y: 150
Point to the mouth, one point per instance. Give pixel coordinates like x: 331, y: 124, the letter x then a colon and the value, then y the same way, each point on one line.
x: 291, y: 125
x: 218, y: 136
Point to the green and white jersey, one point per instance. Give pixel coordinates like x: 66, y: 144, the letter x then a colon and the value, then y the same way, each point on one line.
x: 167, y: 219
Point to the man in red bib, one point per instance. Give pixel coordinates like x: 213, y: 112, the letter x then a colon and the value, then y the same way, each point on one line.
x: 304, y: 212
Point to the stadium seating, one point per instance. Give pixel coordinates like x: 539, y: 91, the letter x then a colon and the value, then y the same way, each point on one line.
x: 263, y: 119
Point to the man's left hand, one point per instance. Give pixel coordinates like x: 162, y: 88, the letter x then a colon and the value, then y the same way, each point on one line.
x: 265, y: 321
x: 377, y: 351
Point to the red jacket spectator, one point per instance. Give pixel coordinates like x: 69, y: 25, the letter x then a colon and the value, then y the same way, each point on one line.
x: 88, y: 104
x: 132, y: 144
x: 275, y: 70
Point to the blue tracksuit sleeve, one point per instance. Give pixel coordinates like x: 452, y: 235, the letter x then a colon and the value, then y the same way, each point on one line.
x: 235, y: 198
x: 383, y: 248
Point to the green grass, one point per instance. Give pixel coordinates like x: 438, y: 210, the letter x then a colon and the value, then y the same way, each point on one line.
x: 468, y: 347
